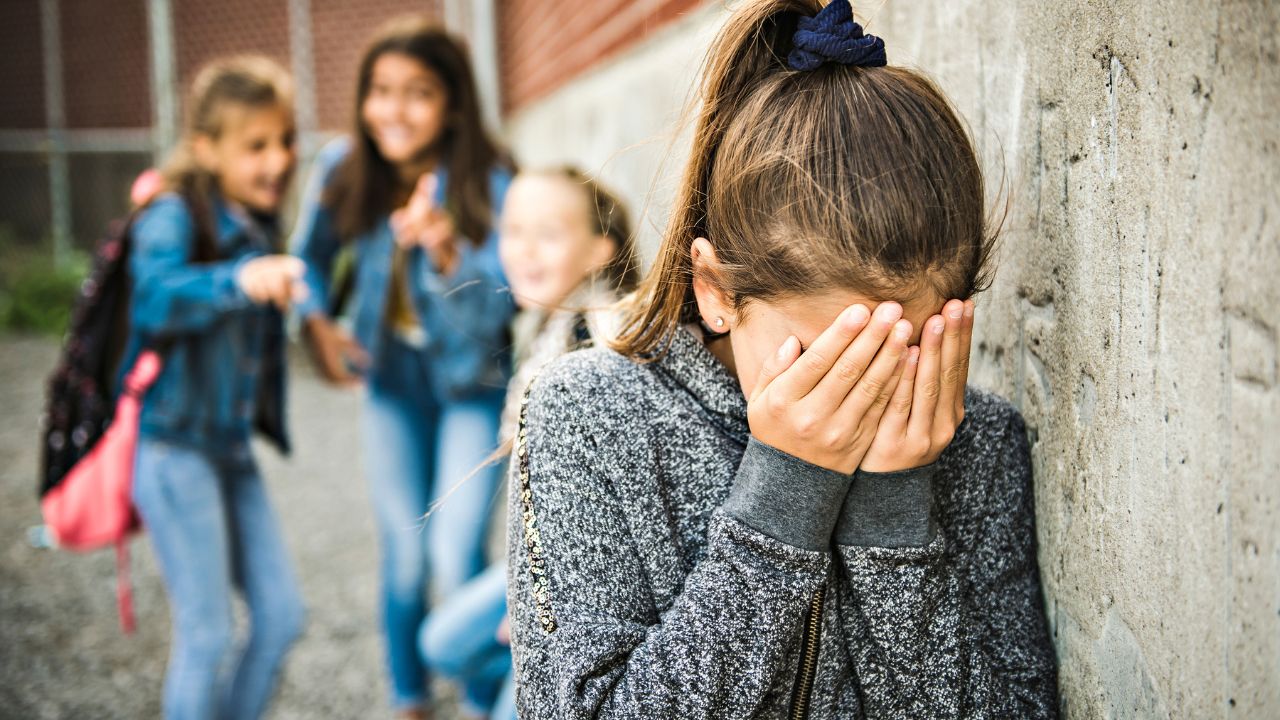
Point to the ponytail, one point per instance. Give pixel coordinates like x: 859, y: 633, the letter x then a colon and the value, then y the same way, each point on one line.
x: 749, y: 49
x: 815, y: 175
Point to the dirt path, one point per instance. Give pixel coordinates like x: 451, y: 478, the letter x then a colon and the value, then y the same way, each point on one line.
x: 61, y: 652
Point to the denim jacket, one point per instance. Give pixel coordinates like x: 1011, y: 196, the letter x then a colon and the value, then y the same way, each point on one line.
x: 465, y: 315
x: 224, y: 364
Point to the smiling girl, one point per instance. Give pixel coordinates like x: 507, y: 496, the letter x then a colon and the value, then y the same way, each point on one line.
x: 209, y: 288
x: 415, y: 191
x: 775, y: 497
x: 568, y: 251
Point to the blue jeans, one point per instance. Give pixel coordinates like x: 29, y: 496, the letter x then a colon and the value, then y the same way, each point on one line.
x: 417, y: 451
x: 213, y: 529
x: 460, y: 642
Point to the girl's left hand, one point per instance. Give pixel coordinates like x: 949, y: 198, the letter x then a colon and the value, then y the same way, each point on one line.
x: 928, y: 404
x: 422, y: 223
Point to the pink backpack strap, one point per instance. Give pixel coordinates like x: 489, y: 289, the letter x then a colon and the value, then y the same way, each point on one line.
x: 124, y: 587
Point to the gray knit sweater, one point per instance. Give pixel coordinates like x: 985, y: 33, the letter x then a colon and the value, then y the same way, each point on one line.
x: 665, y: 565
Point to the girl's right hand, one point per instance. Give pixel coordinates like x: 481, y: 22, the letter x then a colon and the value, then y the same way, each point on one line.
x: 275, y: 279
x: 335, y: 351
x: 824, y: 405
x: 422, y: 223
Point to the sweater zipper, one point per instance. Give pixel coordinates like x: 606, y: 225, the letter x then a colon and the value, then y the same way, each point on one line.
x: 808, y: 656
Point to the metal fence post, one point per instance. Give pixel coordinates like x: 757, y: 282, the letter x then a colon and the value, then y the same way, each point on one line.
x: 56, y: 119
x: 302, y: 62
x: 164, y: 101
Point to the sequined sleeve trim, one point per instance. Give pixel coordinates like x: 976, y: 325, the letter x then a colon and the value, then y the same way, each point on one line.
x: 532, y: 538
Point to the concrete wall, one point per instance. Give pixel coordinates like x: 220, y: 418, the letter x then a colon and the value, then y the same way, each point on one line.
x: 1134, y: 318
x: 625, y: 120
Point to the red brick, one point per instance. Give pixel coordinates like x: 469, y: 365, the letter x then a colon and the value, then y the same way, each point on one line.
x: 545, y: 43
x: 105, y: 63
x: 340, y: 31
x: 206, y: 30
x: 22, y: 72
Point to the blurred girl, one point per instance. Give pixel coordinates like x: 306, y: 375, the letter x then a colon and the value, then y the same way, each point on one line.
x: 763, y: 501
x: 569, y: 255
x: 415, y: 189
x: 567, y: 249
x: 209, y: 289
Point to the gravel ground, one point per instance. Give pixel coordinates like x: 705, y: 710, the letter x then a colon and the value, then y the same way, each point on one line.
x: 62, y: 654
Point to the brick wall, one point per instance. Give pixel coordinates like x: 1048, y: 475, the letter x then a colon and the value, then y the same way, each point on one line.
x: 105, y: 63
x: 544, y: 43
x: 205, y: 30
x: 340, y: 29
x: 22, y: 72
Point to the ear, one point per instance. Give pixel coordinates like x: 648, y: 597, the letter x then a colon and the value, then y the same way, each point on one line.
x: 602, y: 252
x: 203, y: 151
x: 713, y: 304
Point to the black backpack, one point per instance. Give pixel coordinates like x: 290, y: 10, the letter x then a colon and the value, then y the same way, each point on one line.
x: 81, y: 390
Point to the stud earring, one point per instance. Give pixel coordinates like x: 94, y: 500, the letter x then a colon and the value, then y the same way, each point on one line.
x: 717, y: 331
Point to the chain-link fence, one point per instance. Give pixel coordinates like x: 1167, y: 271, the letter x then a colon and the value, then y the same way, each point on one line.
x: 91, y: 92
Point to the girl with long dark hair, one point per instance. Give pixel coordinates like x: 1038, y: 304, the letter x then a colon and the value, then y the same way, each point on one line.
x: 415, y: 190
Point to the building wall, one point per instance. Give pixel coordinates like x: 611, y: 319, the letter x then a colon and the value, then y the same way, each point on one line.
x: 106, y: 87
x: 625, y: 119
x: 105, y: 56
x: 545, y: 43
x: 1133, y: 319
x: 23, y: 175
x: 341, y: 30
x: 107, y: 95
x: 205, y: 30
x: 1135, y: 323
x: 22, y: 72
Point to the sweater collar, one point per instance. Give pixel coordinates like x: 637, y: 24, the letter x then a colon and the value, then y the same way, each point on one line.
x: 690, y: 364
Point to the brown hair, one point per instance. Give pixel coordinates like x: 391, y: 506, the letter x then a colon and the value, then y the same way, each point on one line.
x: 251, y: 81
x: 607, y: 216
x: 856, y: 178
x: 365, y: 184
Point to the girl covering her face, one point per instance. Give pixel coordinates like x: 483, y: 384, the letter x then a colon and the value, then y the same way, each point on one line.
x: 774, y: 495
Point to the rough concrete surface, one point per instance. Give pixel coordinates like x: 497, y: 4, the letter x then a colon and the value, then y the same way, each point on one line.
x: 1134, y: 322
x: 62, y: 654
x: 1133, y: 319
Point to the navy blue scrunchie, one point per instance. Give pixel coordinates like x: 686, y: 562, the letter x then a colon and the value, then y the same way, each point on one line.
x: 834, y: 36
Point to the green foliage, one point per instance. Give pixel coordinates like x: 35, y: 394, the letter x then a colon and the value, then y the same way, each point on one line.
x: 37, y: 294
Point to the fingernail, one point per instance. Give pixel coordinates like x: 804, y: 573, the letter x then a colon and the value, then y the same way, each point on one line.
x: 968, y: 309
x: 936, y: 326
x: 857, y: 314
x: 890, y: 312
x: 786, y: 347
x: 913, y: 355
x: 902, y: 330
x: 955, y: 312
